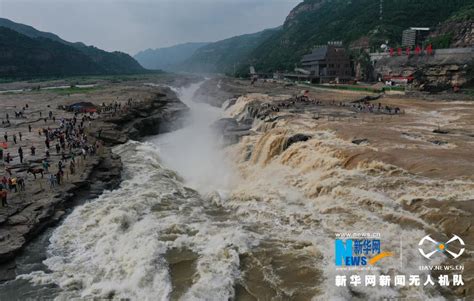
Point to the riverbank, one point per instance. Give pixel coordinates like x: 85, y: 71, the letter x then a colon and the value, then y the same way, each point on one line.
x: 431, y: 135
x: 151, y: 110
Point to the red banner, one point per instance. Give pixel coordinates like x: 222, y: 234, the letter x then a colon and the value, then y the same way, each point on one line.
x: 429, y: 49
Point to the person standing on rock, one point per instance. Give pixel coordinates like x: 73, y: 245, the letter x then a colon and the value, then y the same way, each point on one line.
x: 21, y: 184
x: 5, y: 137
x: 15, y: 184
x: 58, y: 177
x: 33, y: 150
x: 20, y: 135
x: 20, y: 153
x: 29, y: 128
x: 3, y: 196
x: 72, y: 167
x: 52, y: 181
x: 46, y: 165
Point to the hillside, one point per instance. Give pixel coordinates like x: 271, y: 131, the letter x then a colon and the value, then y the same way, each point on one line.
x: 111, y: 62
x: 457, y: 31
x: 167, y: 58
x: 316, y: 22
x: 104, y: 62
x: 223, y: 56
x: 30, y: 31
x: 22, y: 56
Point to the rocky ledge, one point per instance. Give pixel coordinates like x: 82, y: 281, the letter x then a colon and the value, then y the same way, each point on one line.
x: 162, y: 112
x: 23, y: 223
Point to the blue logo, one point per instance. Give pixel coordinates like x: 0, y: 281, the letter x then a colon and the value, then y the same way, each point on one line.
x: 356, y: 252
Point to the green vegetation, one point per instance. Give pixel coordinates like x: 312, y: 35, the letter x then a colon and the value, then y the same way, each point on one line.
x: 227, y: 55
x: 111, y: 62
x: 99, y: 81
x: 466, y: 14
x: 470, y: 75
x: 60, y: 91
x: 83, y: 80
x: 6, y: 80
x: 29, y: 53
x: 90, y: 79
x: 442, y: 41
x: 315, y: 22
x: 469, y: 92
x: 24, y: 57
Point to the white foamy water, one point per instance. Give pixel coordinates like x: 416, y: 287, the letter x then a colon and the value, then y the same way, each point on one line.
x: 194, y: 151
x: 114, y: 246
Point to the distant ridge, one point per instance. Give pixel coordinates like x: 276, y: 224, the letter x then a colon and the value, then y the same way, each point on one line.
x: 227, y: 55
x: 49, y: 55
x: 30, y: 31
x: 167, y: 58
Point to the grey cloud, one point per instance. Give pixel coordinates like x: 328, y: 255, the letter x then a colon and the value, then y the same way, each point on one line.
x: 132, y: 26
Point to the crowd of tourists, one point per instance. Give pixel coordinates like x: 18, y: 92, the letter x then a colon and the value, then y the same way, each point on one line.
x: 67, y: 141
x: 368, y: 107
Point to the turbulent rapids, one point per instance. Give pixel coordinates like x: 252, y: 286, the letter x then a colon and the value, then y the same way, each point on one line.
x: 252, y: 221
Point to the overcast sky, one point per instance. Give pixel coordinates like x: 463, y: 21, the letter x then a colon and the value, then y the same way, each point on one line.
x: 134, y: 25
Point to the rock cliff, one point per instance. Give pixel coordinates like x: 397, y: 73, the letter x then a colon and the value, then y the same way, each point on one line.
x: 456, y: 33
x: 443, y: 70
x: 162, y: 112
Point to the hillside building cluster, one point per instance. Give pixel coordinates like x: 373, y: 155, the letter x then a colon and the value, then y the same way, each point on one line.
x: 332, y: 63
